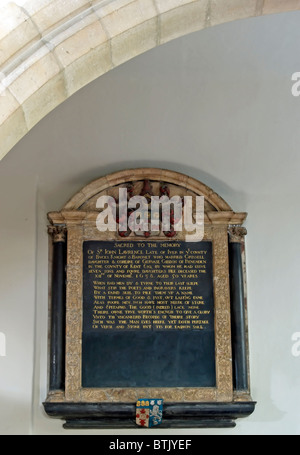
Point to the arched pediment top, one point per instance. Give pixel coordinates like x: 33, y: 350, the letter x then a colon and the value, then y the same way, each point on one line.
x: 107, y: 183
x: 82, y: 207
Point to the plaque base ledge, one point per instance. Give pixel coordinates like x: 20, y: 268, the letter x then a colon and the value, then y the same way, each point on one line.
x: 122, y: 415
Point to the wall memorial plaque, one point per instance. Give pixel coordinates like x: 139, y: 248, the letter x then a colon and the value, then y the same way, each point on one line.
x: 138, y: 309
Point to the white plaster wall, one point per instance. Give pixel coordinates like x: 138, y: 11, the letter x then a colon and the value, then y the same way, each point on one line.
x: 216, y: 105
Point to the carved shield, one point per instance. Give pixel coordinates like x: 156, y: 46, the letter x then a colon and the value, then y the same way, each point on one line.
x: 149, y: 412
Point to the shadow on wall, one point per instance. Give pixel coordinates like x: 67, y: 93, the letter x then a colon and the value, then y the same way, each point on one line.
x: 15, y: 415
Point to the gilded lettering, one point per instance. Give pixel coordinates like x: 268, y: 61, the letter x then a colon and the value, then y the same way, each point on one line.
x: 148, y: 286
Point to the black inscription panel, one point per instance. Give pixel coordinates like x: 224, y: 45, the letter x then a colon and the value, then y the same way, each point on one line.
x: 148, y: 314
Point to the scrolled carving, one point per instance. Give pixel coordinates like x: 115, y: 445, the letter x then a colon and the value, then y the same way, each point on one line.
x: 58, y: 233
x: 237, y: 234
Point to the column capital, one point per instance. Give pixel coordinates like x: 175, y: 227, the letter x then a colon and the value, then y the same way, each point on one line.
x: 58, y: 233
x: 236, y: 234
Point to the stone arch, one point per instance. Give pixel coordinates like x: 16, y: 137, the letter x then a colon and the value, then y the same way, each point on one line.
x: 50, y: 49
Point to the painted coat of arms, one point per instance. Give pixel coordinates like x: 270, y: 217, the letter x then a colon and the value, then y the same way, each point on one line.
x: 149, y: 412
